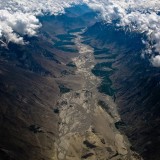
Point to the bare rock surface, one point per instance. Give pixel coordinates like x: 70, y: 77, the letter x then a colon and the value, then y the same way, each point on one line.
x: 86, y: 130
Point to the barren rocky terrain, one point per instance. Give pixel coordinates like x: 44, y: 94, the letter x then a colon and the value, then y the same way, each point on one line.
x: 65, y: 95
x: 87, y: 117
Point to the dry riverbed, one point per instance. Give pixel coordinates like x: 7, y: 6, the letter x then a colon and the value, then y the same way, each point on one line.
x: 87, y: 117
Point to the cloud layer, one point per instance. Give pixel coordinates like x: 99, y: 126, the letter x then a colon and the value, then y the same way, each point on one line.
x: 19, y: 18
x: 137, y: 15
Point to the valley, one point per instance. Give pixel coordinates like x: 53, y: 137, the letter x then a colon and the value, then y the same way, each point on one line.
x: 71, y: 93
x: 87, y: 117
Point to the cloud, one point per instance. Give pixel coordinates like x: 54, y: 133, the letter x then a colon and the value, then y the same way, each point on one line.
x: 13, y: 26
x: 156, y: 61
x: 138, y: 15
x: 19, y: 17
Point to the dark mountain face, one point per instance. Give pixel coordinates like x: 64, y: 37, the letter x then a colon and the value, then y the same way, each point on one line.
x: 109, y: 34
x: 31, y: 80
x: 34, y: 76
x: 136, y: 83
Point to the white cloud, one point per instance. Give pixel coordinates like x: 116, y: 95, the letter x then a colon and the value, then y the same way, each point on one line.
x: 13, y: 26
x: 156, y: 61
x: 139, y: 15
x: 19, y: 17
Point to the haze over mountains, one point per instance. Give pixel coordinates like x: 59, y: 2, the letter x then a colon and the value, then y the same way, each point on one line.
x: 79, y: 80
